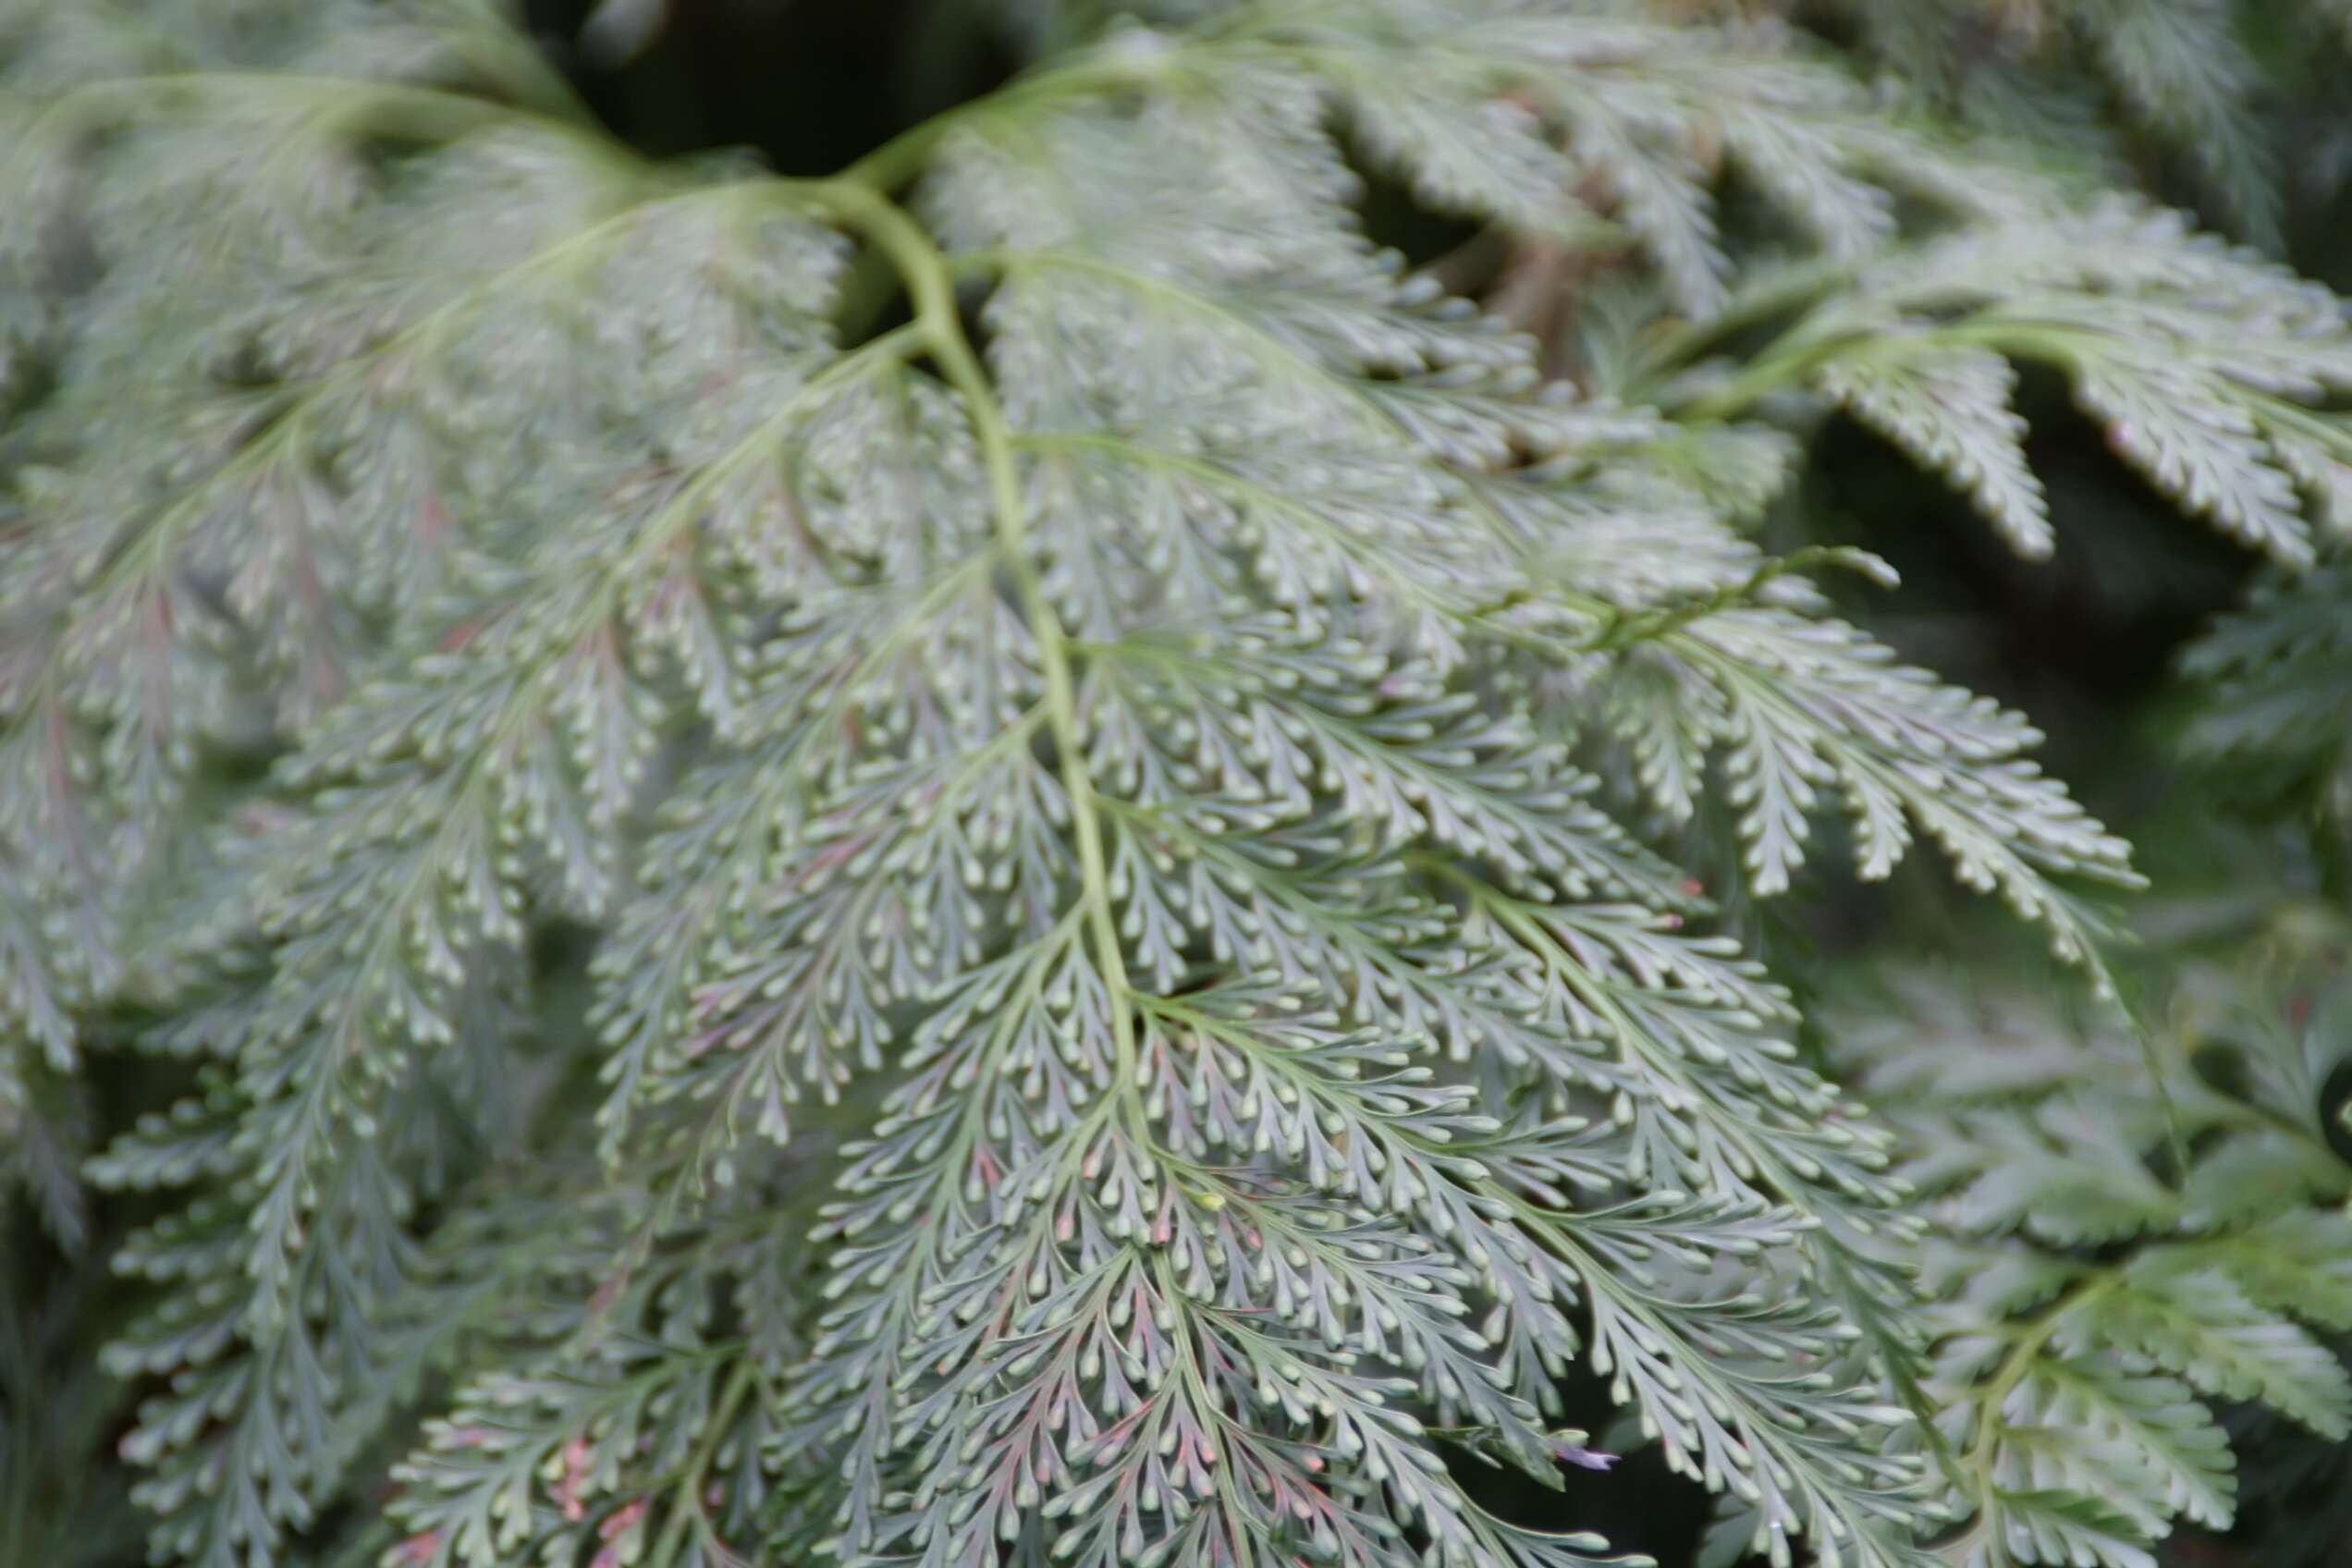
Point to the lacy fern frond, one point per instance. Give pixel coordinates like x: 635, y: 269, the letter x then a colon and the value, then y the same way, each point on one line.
x: 1118, y: 1029
x: 2206, y: 368
x: 2185, y: 83
x: 2097, y: 1309
x: 2276, y: 675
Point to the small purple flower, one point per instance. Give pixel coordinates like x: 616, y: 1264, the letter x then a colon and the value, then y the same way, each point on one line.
x: 1572, y: 1453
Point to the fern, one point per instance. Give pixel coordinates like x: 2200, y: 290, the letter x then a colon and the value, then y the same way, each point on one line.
x: 2097, y: 1306
x: 2275, y: 673
x: 2188, y: 93
x: 2124, y: 303
x: 1125, y: 1018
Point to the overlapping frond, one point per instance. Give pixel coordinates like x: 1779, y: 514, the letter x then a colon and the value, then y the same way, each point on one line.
x: 1552, y: 118
x: 2097, y: 1307
x: 2207, y: 369
x: 2185, y: 81
x: 2272, y: 681
x: 1122, y: 1031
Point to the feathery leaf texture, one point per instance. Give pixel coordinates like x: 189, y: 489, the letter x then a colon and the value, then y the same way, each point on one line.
x: 2091, y: 1315
x: 2206, y: 367
x: 1120, y: 1027
x: 2176, y: 78
x: 2276, y: 676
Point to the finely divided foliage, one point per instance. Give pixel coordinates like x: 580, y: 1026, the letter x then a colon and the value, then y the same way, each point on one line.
x: 2091, y: 1316
x: 1124, y: 1031
x: 2189, y: 88
x: 2280, y: 673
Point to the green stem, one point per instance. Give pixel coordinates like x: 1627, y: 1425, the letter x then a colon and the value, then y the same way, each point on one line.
x: 892, y: 166
x: 1625, y: 631
x: 931, y: 289
x: 2033, y: 1336
x: 686, y: 1506
x: 1786, y: 365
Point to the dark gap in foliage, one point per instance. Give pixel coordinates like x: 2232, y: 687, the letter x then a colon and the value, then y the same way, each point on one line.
x: 2082, y: 641
x: 811, y: 84
x: 1750, y: 220
x: 1636, y: 1503
x: 1838, y: 26
x: 1396, y: 219
x: 2335, y: 1100
x: 1805, y: 938
x: 874, y: 299
x: 58, y: 1437
x: 26, y: 386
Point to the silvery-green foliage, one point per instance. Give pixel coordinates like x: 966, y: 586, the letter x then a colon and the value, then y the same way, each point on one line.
x: 2169, y: 85
x: 1118, y: 1029
x: 2206, y: 367
x: 2099, y: 1306
x: 2277, y: 679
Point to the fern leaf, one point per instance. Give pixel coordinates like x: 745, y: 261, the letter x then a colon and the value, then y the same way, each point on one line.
x: 1117, y: 1021
x: 1951, y: 412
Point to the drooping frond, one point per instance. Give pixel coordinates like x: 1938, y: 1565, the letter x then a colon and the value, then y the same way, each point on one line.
x: 2176, y: 84
x: 2096, y: 1310
x: 2273, y: 681
x: 1117, y: 1029
x: 2205, y: 367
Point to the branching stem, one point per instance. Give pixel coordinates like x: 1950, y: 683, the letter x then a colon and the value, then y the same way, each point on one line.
x: 930, y: 286
x: 2032, y: 1338
x: 686, y: 1507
